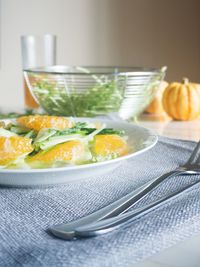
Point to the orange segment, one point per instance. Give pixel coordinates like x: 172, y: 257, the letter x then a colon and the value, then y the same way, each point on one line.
x: 69, y: 151
x: 13, y: 147
x: 38, y: 122
x: 106, y: 145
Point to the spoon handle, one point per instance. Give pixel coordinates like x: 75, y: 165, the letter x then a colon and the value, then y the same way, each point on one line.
x: 108, y: 225
x: 66, y: 230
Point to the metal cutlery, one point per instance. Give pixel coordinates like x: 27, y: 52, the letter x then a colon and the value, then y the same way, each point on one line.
x: 68, y: 230
x: 108, y: 225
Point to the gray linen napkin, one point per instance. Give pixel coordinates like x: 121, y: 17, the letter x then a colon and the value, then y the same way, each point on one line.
x: 27, y: 213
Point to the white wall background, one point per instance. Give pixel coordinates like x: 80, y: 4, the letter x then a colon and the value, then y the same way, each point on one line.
x: 102, y: 32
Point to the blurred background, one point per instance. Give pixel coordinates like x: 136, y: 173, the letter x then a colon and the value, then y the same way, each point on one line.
x: 146, y: 33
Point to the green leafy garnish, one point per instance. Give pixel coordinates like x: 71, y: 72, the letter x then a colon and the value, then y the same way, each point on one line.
x: 19, y: 129
x: 80, y: 125
x: 112, y: 131
x: 12, y: 115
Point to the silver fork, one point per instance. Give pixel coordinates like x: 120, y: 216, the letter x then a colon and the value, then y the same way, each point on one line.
x: 68, y: 230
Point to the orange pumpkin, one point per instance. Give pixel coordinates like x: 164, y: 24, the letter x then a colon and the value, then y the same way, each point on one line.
x: 156, y: 106
x: 181, y: 101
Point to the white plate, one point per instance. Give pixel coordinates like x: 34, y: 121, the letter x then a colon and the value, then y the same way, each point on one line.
x: 140, y: 138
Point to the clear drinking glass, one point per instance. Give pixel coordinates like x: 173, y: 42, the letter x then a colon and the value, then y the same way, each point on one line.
x: 37, y: 51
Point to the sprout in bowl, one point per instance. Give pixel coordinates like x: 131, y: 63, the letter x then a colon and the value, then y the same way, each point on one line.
x: 93, y: 91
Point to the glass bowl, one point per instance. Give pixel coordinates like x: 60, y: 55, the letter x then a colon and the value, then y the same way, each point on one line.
x: 93, y: 91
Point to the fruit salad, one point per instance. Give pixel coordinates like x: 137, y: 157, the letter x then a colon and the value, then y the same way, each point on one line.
x: 42, y: 141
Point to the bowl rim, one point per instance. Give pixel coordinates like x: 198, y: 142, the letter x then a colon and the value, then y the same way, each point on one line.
x: 94, y: 70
